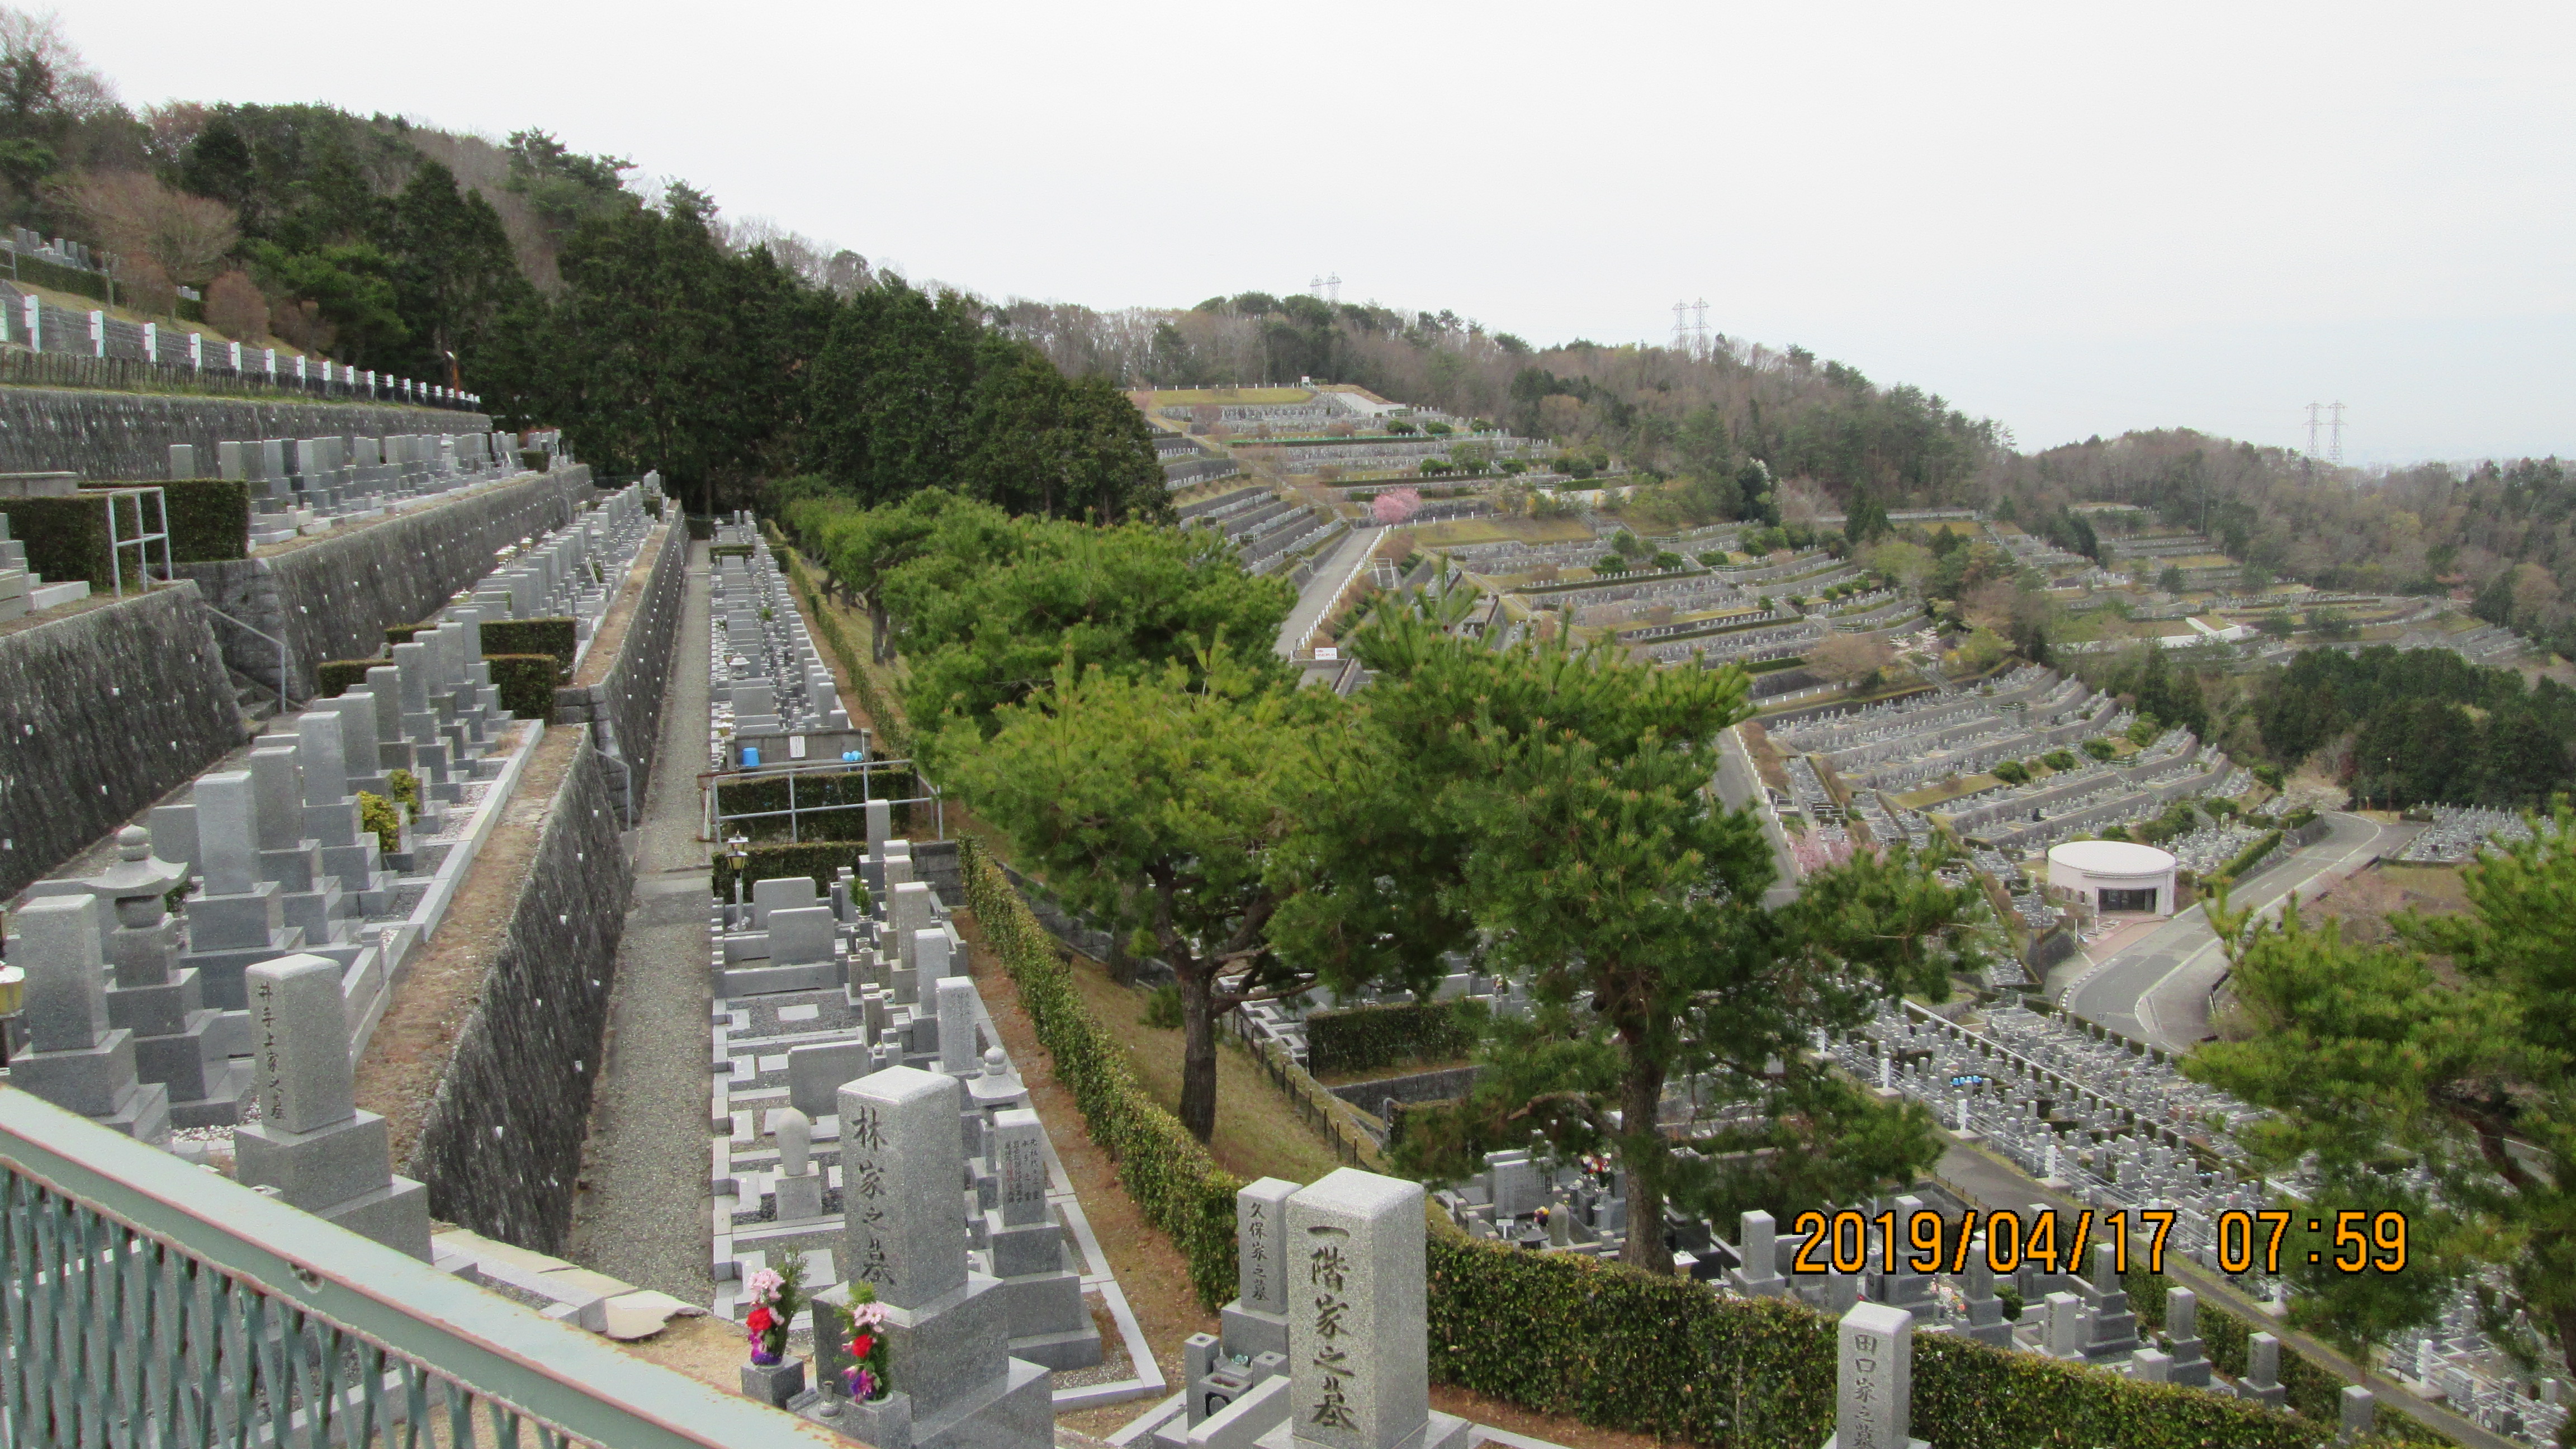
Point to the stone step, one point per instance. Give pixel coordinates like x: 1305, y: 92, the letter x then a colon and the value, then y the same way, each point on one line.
x: 47, y: 596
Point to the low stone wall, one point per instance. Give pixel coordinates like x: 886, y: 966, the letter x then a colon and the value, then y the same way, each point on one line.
x: 103, y: 709
x: 126, y: 436
x: 332, y: 597
x: 1445, y: 1085
x: 500, y: 1140
x: 621, y: 683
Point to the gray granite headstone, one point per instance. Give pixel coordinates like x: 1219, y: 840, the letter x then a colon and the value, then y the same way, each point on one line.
x: 300, y: 1042
x: 956, y: 1001
x: 1019, y: 1165
x: 802, y: 934
x: 2360, y: 1413
x: 1874, y: 1379
x: 227, y: 832
x: 1758, y: 1238
x: 65, y: 998
x: 1360, y: 1365
x: 1261, y: 1244
x: 908, y: 910
x: 929, y: 962
x: 901, y: 1154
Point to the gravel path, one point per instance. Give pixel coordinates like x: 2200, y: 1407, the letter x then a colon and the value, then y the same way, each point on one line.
x: 643, y: 1215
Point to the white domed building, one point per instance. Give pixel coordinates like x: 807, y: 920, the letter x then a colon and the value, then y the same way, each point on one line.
x: 2113, y: 877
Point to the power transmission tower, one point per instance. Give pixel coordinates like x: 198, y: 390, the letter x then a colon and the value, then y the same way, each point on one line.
x: 1699, y: 328
x: 1315, y: 288
x: 1333, y: 289
x: 1681, y: 327
x: 2313, y: 410
x: 2334, y: 452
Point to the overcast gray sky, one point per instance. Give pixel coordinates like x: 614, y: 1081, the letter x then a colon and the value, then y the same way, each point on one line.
x: 2071, y: 218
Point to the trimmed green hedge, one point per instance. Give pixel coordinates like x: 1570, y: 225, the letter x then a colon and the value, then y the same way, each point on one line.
x: 1168, y: 1173
x: 332, y: 676
x: 1670, y: 1357
x: 527, y: 684
x: 821, y: 860
x: 209, y: 518
x: 1365, y: 1038
x: 839, y: 787
x: 558, y: 637
x: 66, y: 538
x: 2247, y: 858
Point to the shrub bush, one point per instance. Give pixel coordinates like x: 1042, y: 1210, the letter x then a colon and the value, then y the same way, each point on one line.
x: 378, y: 815
x: 1364, y: 1038
x: 819, y: 860
x: 527, y: 684
x: 2247, y: 858
x: 558, y: 637
x: 838, y: 787
x: 66, y: 538
x: 333, y: 676
x: 1668, y: 1356
x: 1169, y: 1173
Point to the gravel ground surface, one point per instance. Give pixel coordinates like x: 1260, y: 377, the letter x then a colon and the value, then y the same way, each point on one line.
x: 643, y: 1212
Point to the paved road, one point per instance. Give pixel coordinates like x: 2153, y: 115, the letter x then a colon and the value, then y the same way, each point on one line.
x: 2156, y: 989
x: 1324, y: 587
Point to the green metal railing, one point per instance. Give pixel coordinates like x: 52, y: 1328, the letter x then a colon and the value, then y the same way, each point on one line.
x: 147, y: 1302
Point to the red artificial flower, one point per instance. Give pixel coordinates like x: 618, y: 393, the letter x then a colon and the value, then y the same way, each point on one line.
x: 761, y: 1320
x: 862, y: 1346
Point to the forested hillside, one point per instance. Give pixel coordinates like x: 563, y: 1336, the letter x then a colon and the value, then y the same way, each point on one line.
x: 658, y: 332
x: 2506, y: 529
x: 1698, y: 418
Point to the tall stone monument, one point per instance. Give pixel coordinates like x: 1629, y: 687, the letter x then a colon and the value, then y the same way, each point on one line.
x: 1759, y: 1274
x: 157, y: 999
x: 1041, y: 1293
x: 74, y: 1058
x: 235, y: 916
x: 904, y: 1234
x: 1358, y: 1355
x: 1874, y: 1379
x: 311, y: 1143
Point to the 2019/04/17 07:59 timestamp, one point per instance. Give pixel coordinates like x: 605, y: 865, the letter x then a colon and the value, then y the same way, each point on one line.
x: 2362, y: 1242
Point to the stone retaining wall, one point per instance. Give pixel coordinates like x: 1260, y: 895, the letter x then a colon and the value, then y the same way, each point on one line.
x: 103, y: 710
x: 1445, y: 1085
x: 621, y: 697
x: 126, y: 436
x: 333, y: 597
x: 500, y: 1142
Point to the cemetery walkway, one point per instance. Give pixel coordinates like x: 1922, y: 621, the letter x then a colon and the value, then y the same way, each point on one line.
x: 643, y: 1213
x: 2156, y: 989
x: 1331, y: 573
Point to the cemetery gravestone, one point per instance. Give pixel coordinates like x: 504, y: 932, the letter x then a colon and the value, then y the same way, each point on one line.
x: 74, y: 1058
x: 799, y: 1188
x: 904, y: 1234
x: 311, y: 1142
x: 1874, y: 1379
x: 174, y: 1038
x: 1042, y: 1297
x: 1359, y: 1375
